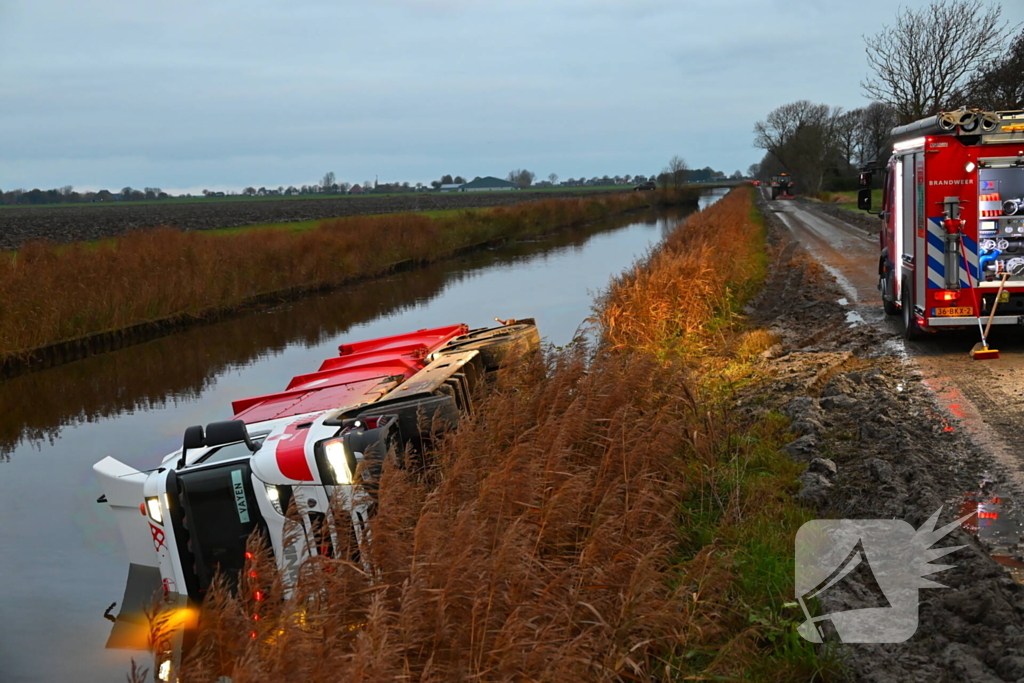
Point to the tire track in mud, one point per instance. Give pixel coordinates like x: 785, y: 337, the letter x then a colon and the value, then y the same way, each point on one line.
x: 886, y: 439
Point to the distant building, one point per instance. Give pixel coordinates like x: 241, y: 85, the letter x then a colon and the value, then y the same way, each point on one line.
x: 489, y: 184
x: 451, y: 187
x: 356, y: 189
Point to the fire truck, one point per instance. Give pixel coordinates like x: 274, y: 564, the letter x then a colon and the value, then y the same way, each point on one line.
x: 952, y: 221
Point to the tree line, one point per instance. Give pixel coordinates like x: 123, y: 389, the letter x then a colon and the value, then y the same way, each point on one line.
x: 950, y: 54
x: 676, y: 173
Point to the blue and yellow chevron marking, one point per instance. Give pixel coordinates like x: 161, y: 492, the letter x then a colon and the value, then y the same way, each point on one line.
x: 937, y: 261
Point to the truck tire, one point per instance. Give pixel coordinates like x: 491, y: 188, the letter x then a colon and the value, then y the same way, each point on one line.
x: 374, y: 444
x: 889, y: 293
x: 495, y: 344
x: 420, y: 420
x: 911, y: 330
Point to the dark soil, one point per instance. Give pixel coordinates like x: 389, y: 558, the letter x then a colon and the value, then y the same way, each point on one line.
x: 90, y: 222
x: 879, y: 446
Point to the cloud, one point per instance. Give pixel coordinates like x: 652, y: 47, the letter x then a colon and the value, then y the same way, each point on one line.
x: 228, y: 93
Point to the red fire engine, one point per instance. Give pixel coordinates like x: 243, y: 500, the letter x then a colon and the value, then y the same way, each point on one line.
x: 953, y: 217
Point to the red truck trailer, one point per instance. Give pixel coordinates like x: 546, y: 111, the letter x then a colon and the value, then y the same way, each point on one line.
x: 952, y: 221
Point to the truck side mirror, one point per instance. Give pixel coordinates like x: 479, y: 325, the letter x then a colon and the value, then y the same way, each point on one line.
x: 864, y: 199
x: 229, y: 431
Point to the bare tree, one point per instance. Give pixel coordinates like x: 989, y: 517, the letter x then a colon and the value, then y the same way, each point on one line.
x: 327, y: 181
x: 922, y: 61
x: 847, y: 135
x: 553, y: 178
x: 754, y: 170
x: 999, y: 84
x: 521, y: 177
x: 677, y: 169
x: 876, y: 124
x: 802, y: 137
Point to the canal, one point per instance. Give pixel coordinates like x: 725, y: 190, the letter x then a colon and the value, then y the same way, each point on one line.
x: 60, y: 552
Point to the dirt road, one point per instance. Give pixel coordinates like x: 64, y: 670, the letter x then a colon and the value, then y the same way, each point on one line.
x: 988, y: 396
x: 897, y: 430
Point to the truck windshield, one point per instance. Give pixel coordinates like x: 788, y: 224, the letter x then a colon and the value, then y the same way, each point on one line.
x: 219, y: 513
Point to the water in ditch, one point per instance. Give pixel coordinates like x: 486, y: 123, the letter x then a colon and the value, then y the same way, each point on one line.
x: 60, y: 552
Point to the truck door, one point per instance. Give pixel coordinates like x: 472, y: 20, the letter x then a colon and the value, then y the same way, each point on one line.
x: 903, y: 213
x: 918, y: 229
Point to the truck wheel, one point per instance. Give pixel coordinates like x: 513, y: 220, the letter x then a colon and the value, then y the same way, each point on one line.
x: 420, y: 420
x: 911, y: 330
x: 497, y: 343
x: 888, y: 294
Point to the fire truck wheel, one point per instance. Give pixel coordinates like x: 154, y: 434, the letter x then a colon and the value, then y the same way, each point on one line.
x: 889, y: 295
x: 911, y: 330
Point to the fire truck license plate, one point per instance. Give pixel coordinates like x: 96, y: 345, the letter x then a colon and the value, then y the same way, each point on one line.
x: 952, y: 311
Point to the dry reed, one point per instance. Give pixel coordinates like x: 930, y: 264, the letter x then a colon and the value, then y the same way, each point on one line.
x: 51, y: 294
x: 545, y: 542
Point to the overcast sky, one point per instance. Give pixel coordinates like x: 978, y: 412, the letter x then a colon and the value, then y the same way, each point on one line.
x: 186, y: 95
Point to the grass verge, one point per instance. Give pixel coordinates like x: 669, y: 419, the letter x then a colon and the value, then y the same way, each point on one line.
x: 603, y: 515
x: 58, y: 294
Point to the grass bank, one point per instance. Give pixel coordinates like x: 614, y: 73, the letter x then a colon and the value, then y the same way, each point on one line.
x: 70, y: 294
x: 848, y: 200
x: 604, y: 515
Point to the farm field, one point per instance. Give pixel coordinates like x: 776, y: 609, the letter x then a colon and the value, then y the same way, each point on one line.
x: 91, y: 222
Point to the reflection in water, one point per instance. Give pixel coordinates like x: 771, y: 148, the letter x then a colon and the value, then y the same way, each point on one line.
x: 996, y: 519
x: 141, y: 377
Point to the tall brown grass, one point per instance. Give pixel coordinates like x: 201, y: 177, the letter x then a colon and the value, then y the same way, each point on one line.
x: 548, y: 542
x: 695, y: 277
x: 51, y: 294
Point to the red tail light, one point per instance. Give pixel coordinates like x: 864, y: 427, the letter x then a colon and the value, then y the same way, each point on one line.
x: 944, y: 295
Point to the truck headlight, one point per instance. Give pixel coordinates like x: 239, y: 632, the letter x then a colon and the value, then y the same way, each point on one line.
x: 153, y: 508
x: 338, y: 459
x: 274, y: 496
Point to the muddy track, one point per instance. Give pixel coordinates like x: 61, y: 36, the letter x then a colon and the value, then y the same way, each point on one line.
x: 72, y: 223
x: 884, y: 439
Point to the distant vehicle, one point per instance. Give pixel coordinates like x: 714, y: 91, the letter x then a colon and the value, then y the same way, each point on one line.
x: 782, y: 186
x: 646, y: 185
x: 755, y: 183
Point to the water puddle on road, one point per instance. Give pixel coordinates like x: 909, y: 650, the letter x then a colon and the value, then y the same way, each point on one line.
x: 998, y: 521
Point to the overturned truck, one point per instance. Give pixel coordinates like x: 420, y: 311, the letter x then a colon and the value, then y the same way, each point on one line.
x: 300, y: 455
